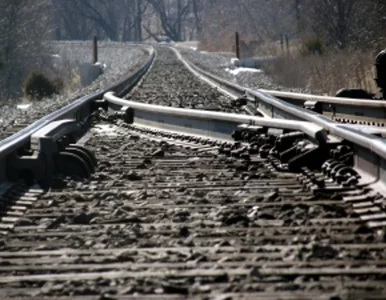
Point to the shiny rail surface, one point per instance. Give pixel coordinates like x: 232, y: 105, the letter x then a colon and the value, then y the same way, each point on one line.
x: 212, y: 123
x: 346, y: 110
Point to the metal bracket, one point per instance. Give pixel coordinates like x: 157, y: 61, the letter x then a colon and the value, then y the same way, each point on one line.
x: 314, y: 106
x: 96, y: 104
x: 45, y: 144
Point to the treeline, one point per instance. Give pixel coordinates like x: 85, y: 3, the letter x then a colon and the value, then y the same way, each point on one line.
x: 339, y: 24
x: 128, y: 20
x: 26, y: 26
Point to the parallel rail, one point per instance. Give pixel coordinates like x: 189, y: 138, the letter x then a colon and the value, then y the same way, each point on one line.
x: 347, y: 110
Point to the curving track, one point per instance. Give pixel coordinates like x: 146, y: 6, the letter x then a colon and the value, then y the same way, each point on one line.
x: 175, y: 216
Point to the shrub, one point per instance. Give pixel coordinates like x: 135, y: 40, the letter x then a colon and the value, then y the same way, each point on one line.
x: 59, y: 85
x: 313, y: 45
x: 38, y: 86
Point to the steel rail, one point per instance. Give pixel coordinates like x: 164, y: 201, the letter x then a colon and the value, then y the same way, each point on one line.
x: 185, y: 115
x: 346, y: 110
x: 326, y: 99
x: 77, y: 110
x: 311, y: 128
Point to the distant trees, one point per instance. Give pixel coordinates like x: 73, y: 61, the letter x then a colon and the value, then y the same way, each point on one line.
x: 128, y: 20
x: 113, y: 20
x: 178, y: 19
x: 25, y: 25
x: 334, y: 20
x: 258, y: 21
x: 345, y: 23
x: 339, y: 23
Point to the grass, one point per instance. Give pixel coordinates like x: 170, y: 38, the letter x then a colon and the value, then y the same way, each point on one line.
x: 325, y: 74
x: 321, y: 74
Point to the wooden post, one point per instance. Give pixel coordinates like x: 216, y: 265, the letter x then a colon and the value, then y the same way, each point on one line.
x: 282, y: 43
x: 237, y: 45
x: 287, y: 44
x: 95, y: 49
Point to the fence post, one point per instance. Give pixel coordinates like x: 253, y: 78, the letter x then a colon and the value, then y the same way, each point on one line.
x: 95, y: 49
x: 282, y: 43
x: 237, y: 45
x: 287, y: 44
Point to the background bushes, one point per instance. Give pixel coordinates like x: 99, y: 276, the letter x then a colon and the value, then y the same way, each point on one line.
x: 37, y: 86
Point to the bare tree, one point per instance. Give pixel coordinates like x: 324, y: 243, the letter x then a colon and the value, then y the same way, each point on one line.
x: 172, y: 15
x: 69, y: 23
x: 102, y: 14
x: 114, y: 20
x: 197, y: 8
x: 332, y: 19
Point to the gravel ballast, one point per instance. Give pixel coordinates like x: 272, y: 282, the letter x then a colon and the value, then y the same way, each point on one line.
x: 119, y: 59
x: 159, y: 220
x: 170, y: 83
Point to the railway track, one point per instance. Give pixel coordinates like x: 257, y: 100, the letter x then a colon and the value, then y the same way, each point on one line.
x: 176, y: 208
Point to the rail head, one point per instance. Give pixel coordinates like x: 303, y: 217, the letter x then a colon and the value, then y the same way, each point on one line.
x: 327, y: 99
x: 312, y: 130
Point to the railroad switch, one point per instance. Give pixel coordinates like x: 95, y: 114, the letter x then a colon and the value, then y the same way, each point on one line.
x: 248, y: 132
x: 99, y: 104
x: 314, y: 106
x: 52, y: 151
x: 292, y: 151
x: 239, y: 102
x: 125, y: 114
